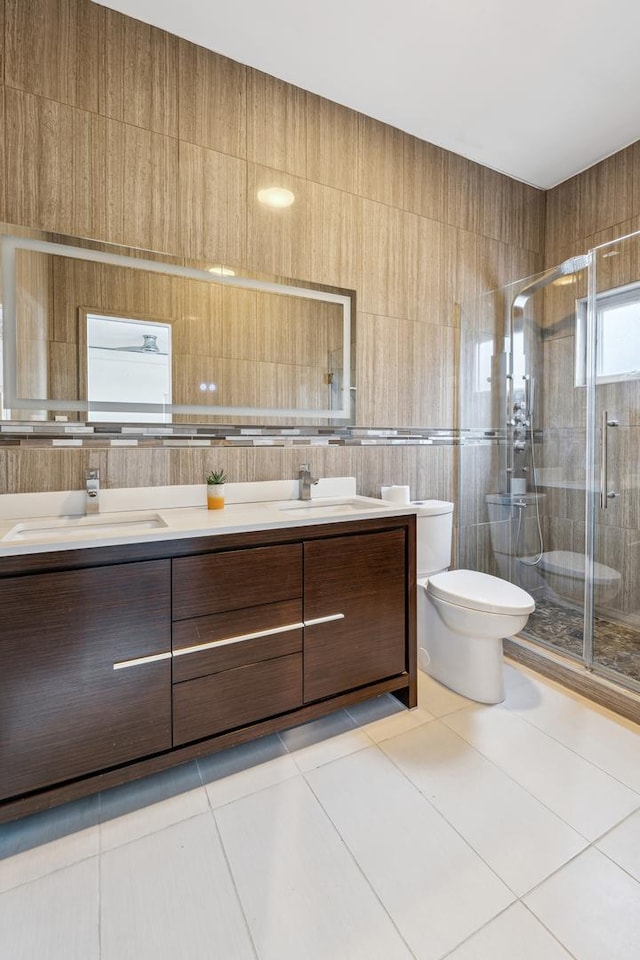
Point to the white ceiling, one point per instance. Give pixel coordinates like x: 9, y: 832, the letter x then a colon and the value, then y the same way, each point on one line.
x: 538, y: 90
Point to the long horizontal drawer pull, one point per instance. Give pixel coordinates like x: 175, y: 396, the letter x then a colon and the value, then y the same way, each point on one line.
x: 238, y: 639
x: 123, y: 664
x: 333, y: 616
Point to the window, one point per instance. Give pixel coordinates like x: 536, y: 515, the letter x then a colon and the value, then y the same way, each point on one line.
x: 617, y: 336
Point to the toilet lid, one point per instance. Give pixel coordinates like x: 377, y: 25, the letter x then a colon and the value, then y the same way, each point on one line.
x: 480, y: 591
x: 571, y: 564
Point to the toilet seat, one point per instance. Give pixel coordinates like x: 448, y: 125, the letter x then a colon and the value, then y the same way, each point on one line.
x: 480, y: 591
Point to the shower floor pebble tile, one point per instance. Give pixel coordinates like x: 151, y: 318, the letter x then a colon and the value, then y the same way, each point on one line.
x: 446, y: 833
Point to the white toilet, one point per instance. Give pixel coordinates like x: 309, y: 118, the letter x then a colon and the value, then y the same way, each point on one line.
x: 462, y: 614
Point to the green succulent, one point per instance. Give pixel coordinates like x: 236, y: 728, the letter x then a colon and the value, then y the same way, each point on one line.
x: 217, y: 476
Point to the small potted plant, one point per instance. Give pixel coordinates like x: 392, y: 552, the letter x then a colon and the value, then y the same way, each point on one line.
x: 215, y: 489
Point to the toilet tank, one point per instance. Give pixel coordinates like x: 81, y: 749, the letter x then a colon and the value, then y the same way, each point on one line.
x: 434, y: 527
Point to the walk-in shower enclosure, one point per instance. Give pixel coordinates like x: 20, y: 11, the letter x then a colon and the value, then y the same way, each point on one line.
x: 550, y: 461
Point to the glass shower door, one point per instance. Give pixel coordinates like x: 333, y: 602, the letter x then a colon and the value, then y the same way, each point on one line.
x: 613, y: 529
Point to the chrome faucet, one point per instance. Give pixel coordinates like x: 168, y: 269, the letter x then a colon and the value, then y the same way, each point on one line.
x: 93, y: 489
x: 306, y: 481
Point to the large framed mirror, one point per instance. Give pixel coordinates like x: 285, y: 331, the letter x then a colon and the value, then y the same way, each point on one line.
x: 102, y: 333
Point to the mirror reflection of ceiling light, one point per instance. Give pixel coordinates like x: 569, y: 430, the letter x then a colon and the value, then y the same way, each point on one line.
x: 278, y: 197
x: 221, y: 270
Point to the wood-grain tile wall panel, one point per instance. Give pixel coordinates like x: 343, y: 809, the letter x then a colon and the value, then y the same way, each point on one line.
x: 52, y: 49
x: 212, y: 100
x: 425, y: 172
x: 464, y: 200
x: 332, y: 144
x: 605, y: 193
x: 212, y: 189
x: 276, y: 124
x: 139, y: 74
x: 561, y: 222
x: 382, y: 266
x: 2, y: 40
x: 3, y: 175
x: 49, y: 181
x: 336, y: 236
x: 431, y: 293
x: 135, y: 176
x: 380, y: 161
x: 278, y: 240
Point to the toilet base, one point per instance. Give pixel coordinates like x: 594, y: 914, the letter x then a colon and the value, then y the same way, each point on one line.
x: 470, y: 666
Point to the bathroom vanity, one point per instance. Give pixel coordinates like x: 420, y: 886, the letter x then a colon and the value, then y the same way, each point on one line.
x: 118, y: 659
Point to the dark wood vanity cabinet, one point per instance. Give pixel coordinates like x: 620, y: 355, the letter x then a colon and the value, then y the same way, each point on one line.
x: 70, y: 701
x: 123, y: 660
x: 354, y: 610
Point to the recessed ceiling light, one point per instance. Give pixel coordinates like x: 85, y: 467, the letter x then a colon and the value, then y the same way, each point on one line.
x: 276, y: 197
x: 222, y: 271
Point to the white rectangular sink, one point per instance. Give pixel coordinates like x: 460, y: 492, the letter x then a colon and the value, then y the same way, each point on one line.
x: 70, y: 528
x: 334, y: 505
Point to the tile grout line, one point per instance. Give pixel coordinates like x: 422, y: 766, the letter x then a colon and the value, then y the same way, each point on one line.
x: 354, y: 858
x: 229, y: 868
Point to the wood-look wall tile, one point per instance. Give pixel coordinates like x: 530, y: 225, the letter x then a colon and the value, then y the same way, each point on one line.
x: 64, y: 378
x: 336, y: 231
x: 561, y: 222
x: 383, y: 271
x: 139, y: 74
x: 378, y: 371
x: 52, y: 49
x: 276, y: 124
x: 2, y: 40
x: 482, y: 265
x: 425, y: 173
x: 46, y: 469
x: 135, y: 176
x: 332, y: 144
x: 48, y: 164
x: 212, y: 100
x: 464, y: 203
x: 278, y: 240
x: 3, y: 174
x: 136, y: 467
x: 431, y: 255
x: 605, y: 193
x: 380, y: 161
x: 212, y: 190
x: 427, y: 368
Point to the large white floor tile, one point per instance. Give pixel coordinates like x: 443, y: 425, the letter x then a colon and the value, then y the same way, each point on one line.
x: 170, y: 895
x: 320, y: 741
x: 53, y: 918
x: 514, y: 935
x: 152, y: 803
x: 622, y: 844
x: 513, y: 832
x: 438, y: 699
x: 610, y: 742
x: 582, y: 794
x: 39, y: 844
x: 592, y: 907
x: 242, y: 770
x: 435, y: 887
x: 384, y: 717
x: 303, y: 895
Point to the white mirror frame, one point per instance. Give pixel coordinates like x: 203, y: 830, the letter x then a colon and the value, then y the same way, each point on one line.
x: 9, y: 245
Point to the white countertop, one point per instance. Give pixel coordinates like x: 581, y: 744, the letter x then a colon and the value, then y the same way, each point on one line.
x: 44, y: 523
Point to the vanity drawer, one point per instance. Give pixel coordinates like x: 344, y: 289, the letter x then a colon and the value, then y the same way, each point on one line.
x: 234, y: 698
x: 226, y: 640
x: 216, y: 582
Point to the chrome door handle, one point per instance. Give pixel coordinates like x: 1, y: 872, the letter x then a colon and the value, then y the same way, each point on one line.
x: 605, y: 493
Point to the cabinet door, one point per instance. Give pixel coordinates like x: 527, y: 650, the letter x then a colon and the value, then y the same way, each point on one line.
x: 65, y: 710
x: 360, y: 583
